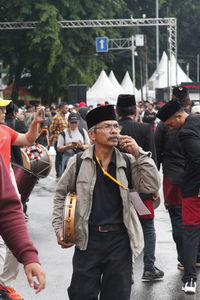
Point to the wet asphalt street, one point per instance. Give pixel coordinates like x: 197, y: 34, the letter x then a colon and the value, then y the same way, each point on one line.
x: 57, y: 262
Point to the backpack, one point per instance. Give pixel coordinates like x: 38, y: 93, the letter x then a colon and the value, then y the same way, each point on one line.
x: 127, y: 170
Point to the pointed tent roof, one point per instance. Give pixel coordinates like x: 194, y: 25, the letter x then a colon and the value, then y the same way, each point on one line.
x: 115, y: 83
x: 161, y: 77
x: 127, y: 85
x: 181, y: 76
x: 161, y: 72
x: 101, y: 91
x: 163, y: 69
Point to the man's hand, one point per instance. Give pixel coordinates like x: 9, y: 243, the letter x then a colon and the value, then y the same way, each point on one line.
x: 155, y: 196
x: 80, y: 145
x: 127, y: 143
x: 60, y: 241
x: 35, y: 270
x: 156, y: 199
x: 38, y: 118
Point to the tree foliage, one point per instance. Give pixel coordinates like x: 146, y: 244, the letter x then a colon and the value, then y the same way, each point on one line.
x: 45, y: 60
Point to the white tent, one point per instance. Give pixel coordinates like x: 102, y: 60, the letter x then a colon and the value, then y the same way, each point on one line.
x: 127, y: 86
x: 165, y: 75
x: 181, y: 76
x: 115, y: 83
x: 102, y: 90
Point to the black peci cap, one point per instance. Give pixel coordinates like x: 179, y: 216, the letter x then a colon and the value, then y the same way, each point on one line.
x: 126, y: 100
x: 168, y: 110
x: 180, y: 91
x: 99, y: 114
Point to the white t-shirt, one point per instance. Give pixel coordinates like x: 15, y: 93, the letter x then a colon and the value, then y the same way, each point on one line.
x: 74, y: 136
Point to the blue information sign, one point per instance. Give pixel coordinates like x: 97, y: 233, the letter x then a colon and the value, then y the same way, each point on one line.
x: 102, y: 44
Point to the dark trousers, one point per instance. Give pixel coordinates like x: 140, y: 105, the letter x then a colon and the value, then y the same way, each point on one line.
x: 149, y: 243
x: 58, y: 161
x: 175, y: 214
x: 191, y: 241
x: 104, y: 269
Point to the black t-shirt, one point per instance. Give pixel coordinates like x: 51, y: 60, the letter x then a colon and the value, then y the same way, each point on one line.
x: 107, y: 203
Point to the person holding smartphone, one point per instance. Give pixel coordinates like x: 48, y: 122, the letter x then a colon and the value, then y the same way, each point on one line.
x: 72, y: 140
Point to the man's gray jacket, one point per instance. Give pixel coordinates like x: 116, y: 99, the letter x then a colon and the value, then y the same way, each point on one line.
x: 145, y: 179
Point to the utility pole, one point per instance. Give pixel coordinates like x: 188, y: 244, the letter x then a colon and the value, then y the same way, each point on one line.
x: 133, y: 61
x: 130, y: 44
x: 197, y: 67
x: 157, y: 37
x: 146, y: 65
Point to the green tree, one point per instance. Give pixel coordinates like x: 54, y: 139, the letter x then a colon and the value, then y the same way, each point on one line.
x: 52, y: 57
x: 45, y: 60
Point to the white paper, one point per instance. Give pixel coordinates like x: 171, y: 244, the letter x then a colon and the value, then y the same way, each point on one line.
x: 138, y: 204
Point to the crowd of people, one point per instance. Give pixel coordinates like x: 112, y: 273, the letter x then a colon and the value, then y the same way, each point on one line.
x: 56, y: 121
x: 122, y: 149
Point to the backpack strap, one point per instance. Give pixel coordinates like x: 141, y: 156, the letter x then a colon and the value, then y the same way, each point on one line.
x: 63, y: 135
x: 82, y: 133
x: 127, y: 170
x: 78, y: 163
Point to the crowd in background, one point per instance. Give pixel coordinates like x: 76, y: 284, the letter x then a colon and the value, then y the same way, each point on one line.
x: 65, y: 127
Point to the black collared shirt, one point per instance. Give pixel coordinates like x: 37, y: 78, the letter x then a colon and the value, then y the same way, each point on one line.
x: 107, y: 203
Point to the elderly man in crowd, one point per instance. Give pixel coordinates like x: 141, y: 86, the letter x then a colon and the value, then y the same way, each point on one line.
x: 108, y: 233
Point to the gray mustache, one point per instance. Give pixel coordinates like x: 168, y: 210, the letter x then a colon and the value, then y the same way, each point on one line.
x: 114, y: 136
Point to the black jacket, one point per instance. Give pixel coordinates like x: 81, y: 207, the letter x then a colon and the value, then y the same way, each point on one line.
x: 141, y: 132
x: 169, y: 153
x: 189, y: 136
x: 143, y: 135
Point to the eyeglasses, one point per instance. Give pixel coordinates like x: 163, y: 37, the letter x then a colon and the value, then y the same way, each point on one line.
x: 108, y: 127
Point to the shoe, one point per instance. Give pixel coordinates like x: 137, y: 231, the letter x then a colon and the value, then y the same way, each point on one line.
x: 197, y: 264
x: 154, y: 274
x: 189, y: 287
x: 26, y: 217
x: 9, y: 293
x: 180, y: 267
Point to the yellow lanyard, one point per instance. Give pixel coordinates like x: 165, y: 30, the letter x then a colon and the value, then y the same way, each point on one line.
x: 110, y: 176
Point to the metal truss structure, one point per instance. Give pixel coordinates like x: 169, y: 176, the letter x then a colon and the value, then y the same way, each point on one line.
x: 170, y: 23
x: 120, y: 44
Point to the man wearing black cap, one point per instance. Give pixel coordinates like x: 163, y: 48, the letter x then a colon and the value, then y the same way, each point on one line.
x: 142, y: 133
x: 170, y: 155
x: 108, y: 234
x: 175, y: 117
x: 181, y: 93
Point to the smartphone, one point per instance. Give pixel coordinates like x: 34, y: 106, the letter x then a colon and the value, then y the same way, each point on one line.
x: 74, y: 143
x: 42, y: 114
